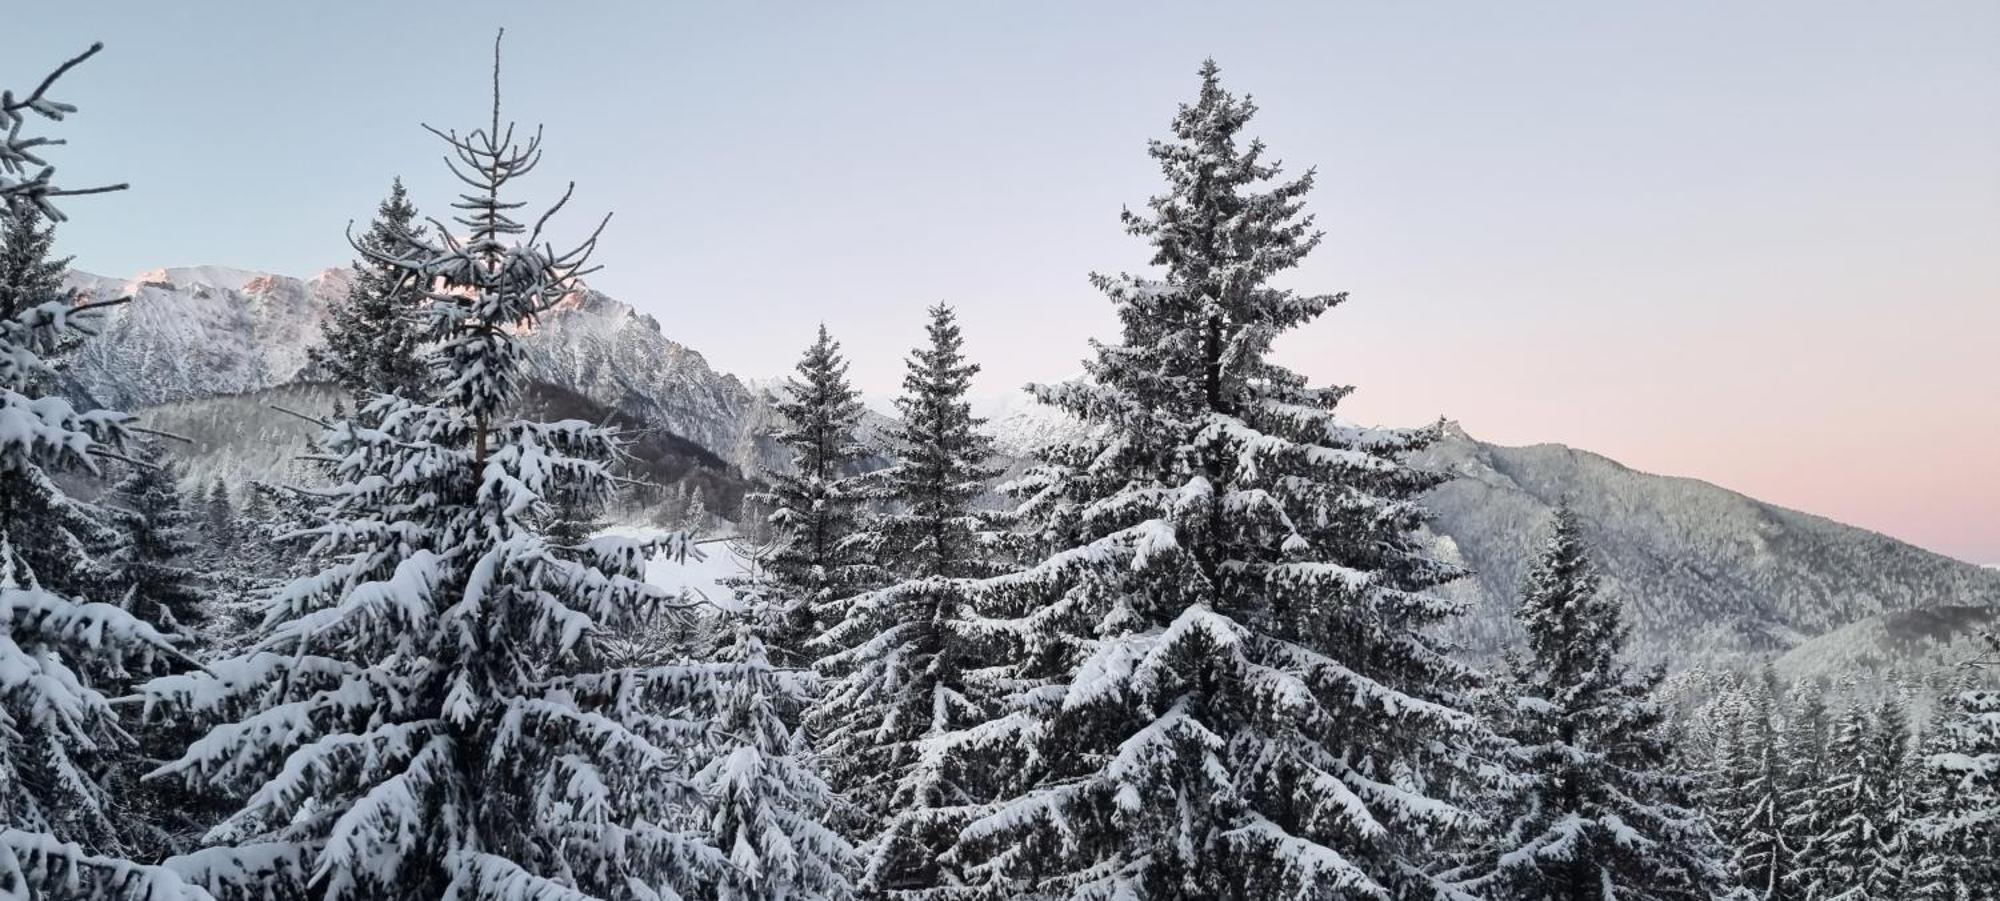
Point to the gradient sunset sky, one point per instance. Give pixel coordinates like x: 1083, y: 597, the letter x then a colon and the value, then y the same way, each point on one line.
x: 1752, y: 243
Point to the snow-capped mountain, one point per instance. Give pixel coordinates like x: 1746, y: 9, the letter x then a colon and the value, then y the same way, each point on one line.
x: 1710, y: 575
x: 197, y: 332
x: 206, y: 331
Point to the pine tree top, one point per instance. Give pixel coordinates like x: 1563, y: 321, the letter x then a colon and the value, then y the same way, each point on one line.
x: 1572, y: 628
x: 29, y: 274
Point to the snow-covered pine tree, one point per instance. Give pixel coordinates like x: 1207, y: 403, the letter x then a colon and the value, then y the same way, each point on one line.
x: 150, y: 567
x: 1889, y: 861
x: 1808, y: 750
x: 1932, y: 867
x: 1223, y: 683
x: 426, y: 716
x: 218, y: 521
x: 696, y: 519
x: 1600, y: 815
x: 372, y: 340
x: 1724, y: 763
x: 768, y: 804
x: 58, y: 642
x: 896, y: 680
x: 1960, y: 829
x: 1763, y: 848
x: 29, y: 273
x: 152, y: 570
x: 1837, y: 861
x: 817, y: 507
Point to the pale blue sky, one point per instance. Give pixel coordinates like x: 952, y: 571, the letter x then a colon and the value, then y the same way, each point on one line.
x: 1753, y: 243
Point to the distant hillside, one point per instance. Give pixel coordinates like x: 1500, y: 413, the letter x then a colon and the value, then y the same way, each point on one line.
x: 1929, y: 639
x: 1707, y: 573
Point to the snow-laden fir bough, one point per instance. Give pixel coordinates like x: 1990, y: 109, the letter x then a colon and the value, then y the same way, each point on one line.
x: 428, y: 715
x: 1224, y: 686
x: 60, y: 643
x: 1597, y: 811
x: 816, y: 509
x: 896, y: 661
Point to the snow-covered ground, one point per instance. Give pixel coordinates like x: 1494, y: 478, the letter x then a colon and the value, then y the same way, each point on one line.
x: 702, y: 577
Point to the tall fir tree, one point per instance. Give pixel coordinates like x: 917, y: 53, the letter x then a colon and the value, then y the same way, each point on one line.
x: 30, y: 273
x: 151, y: 565
x: 896, y: 676
x: 1808, y: 752
x: 61, y: 641
x: 1764, y: 846
x: 1600, y: 813
x: 817, y: 508
x: 1890, y: 859
x: 153, y: 569
x: 373, y: 339
x: 1725, y: 765
x: 768, y: 804
x: 1838, y: 861
x: 1960, y: 824
x: 427, y: 716
x: 219, y: 525
x: 1222, y: 683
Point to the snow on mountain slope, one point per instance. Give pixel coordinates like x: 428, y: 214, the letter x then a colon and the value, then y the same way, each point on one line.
x: 607, y: 351
x: 198, y: 332
x: 1934, y: 638
x: 207, y: 331
x: 1708, y: 574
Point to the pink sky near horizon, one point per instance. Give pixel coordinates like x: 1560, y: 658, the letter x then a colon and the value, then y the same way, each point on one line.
x: 1755, y: 244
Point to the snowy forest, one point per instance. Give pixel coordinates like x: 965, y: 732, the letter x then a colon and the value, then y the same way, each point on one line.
x: 1201, y: 647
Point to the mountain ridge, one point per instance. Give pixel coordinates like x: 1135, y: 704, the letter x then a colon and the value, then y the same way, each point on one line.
x: 1710, y: 574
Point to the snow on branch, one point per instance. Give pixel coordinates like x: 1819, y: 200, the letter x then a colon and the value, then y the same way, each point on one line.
x: 25, y: 177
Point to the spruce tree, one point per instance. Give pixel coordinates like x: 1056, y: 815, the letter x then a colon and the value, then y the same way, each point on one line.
x: 768, y: 805
x: 427, y: 715
x: 1808, y: 756
x: 1960, y: 826
x: 218, y: 524
x: 29, y: 273
x: 62, y: 641
x: 151, y: 568
x: 1726, y: 766
x: 1763, y: 843
x: 151, y: 563
x: 1600, y: 814
x: 1838, y: 860
x: 816, y: 509
x: 896, y: 677
x: 1221, y: 680
x: 1890, y: 859
x: 373, y: 337
x: 1934, y: 870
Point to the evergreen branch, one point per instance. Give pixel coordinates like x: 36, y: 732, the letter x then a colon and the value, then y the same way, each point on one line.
x: 34, y: 100
x: 99, y: 451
